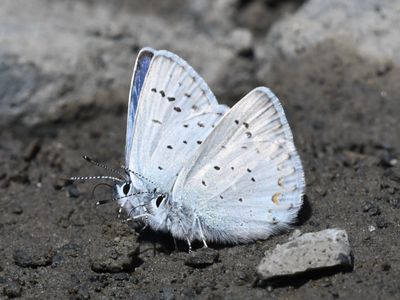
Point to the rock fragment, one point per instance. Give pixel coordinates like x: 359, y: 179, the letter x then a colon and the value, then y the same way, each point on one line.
x: 33, y: 257
x: 32, y: 150
x: 73, y: 191
x: 202, y: 258
x: 12, y: 289
x: 117, y: 256
x: 305, y: 253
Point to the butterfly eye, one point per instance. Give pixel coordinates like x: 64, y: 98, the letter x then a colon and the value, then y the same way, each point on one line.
x: 159, y: 200
x: 126, y: 188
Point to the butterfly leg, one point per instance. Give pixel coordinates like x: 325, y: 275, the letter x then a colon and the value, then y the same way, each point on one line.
x: 121, y: 208
x: 144, y: 227
x: 189, y: 245
x: 146, y: 216
x: 202, y: 234
x: 175, y: 244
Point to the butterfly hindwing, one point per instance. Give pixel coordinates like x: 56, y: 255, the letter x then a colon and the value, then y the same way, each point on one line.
x: 246, y: 181
x: 176, y: 111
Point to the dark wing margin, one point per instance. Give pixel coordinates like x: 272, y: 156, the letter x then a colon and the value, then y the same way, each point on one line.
x: 139, y: 74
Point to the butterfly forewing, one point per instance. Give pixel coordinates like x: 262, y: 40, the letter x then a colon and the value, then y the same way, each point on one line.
x: 246, y: 181
x: 139, y: 74
x: 175, y: 113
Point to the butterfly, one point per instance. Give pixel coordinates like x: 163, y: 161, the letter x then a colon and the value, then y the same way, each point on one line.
x: 199, y: 169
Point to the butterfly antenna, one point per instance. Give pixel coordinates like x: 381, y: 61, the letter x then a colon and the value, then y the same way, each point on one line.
x: 138, y: 175
x: 92, y: 161
x: 96, y: 177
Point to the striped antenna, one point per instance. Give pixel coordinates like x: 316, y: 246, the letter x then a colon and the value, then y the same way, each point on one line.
x: 96, y: 177
x: 138, y: 175
x: 92, y: 161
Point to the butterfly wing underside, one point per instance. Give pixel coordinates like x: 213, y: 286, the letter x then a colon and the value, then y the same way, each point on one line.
x: 175, y: 112
x: 246, y: 182
x: 139, y: 74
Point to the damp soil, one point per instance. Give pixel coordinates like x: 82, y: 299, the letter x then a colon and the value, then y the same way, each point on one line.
x: 56, y: 244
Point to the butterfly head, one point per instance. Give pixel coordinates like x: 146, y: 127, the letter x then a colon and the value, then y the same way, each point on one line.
x: 136, y: 194
x: 143, y: 203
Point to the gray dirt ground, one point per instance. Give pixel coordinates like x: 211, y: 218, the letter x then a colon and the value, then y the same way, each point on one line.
x: 344, y: 113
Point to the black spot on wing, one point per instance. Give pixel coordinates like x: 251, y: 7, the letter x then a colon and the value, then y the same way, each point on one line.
x: 187, y: 95
x: 185, y: 125
x: 156, y: 121
x: 199, y: 142
x: 162, y: 93
x: 217, y: 168
x: 200, y: 124
x: 185, y: 142
x: 252, y: 179
x: 170, y: 99
x: 178, y: 109
x: 160, y: 168
x: 236, y: 122
x: 248, y: 133
x: 248, y: 170
x: 169, y: 147
x: 154, y: 90
x: 246, y: 124
x: 203, y: 183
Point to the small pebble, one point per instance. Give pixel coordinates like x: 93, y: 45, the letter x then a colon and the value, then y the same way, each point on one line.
x: 83, y: 293
x: 12, y: 289
x: 33, y: 257
x: 32, y: 150
x: 381, y: 223
x: 386, y: 267
x: 395, y: 203
x: 371, y: 209
x: 118, y: 257
x: 121, y: 276
x: 17, y: 209
x: 202, y: 257
x: 59, y: 183
x: 73, y: 191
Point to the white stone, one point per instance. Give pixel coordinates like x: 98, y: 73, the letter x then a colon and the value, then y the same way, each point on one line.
x: 307, y: 252
x: 241, y: 39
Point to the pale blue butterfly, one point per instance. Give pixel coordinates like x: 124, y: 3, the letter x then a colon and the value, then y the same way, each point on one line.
x: 202, y: 171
